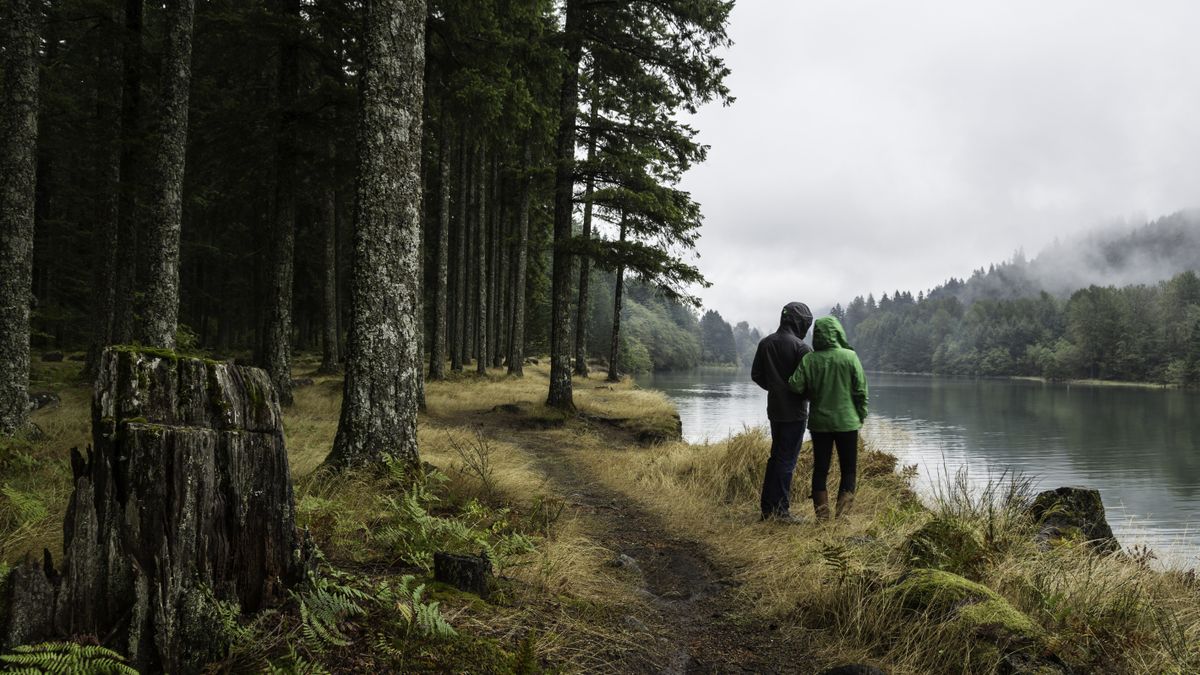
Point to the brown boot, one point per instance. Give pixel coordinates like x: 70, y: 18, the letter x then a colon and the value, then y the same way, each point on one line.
x: 821, y: 504
x: 845, y: 502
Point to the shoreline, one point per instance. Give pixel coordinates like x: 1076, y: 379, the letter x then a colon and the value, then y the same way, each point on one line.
x: 1081, y: 382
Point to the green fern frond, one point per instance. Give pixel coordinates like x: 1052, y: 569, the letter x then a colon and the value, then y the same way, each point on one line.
x: 26, y: 507
x: 327, y: 602
x: 65, y: 658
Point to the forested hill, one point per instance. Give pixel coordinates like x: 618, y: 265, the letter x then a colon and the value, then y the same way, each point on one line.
x: 1122, y: 306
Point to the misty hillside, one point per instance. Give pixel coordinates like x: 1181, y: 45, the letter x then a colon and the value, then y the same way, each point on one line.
x: 1122, y: 306
x: 1148, y: 254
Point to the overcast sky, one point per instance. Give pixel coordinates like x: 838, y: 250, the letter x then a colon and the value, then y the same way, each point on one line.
x: 882, y: 145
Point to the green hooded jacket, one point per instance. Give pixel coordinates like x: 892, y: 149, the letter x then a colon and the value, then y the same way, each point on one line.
x: 833, y: 380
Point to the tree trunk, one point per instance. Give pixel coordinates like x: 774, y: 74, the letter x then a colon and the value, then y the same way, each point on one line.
x: 481, y: 272
x: 516, y: 344
x: 18, y: 152
x: 127, y: 211
x: 614, y: 372
x: 560, y: 395
x: 582, y: 318
x: 105, y: 240
x: 160, y: 314
x: 458, y: 348
x: 437, y: 341
x: 494, y: 269
x: 277, y: 342
x: 186, y: 501
x: 47, y: 220
x: 383, y: 368
x: 327, y: 205
x: 503, y: 265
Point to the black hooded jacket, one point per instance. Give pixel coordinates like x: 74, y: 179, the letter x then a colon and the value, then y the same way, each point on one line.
x: 777, y: 358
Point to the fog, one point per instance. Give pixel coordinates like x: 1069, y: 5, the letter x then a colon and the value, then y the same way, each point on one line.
x: 877, y: 146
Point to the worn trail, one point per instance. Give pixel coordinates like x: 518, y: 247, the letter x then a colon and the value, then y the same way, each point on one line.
x: 699, y: 622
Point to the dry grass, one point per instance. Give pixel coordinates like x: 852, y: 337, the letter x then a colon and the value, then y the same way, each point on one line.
x: 824, y: 584
x: 35, y: 470
x: 1111, y: 613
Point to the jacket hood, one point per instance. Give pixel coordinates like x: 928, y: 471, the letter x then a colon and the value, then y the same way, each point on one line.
x: 828, y: 334
x: 797, y: 318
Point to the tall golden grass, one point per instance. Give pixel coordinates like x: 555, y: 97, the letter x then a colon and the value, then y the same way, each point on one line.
x: 825, y: 583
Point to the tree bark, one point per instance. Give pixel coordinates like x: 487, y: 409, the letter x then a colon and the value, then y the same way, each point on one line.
x: 105, y: 239
x: 582, y: 318
x: 277, y: 342
x: 458, y: 348
x: 327, y: 204
x: 494, y: 270
x: 18, y: 162
x: 127, y: 229
x: 503, y: 288
x: 437, y: 340
x: 516, y: 344
x: 160, y: 314
x: 185, y: 501
x: 614, y: 371
x: 560, y: 395
x: 382, y: 385
x: 481, y: 272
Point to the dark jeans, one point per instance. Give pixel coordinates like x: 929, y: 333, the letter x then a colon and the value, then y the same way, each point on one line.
x: 847, y: 451
x: 786, y: 438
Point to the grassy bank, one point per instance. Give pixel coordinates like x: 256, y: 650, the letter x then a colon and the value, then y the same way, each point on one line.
x: 959, y: 584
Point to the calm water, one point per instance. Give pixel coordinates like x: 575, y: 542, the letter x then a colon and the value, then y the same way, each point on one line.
x: 1139, y: 447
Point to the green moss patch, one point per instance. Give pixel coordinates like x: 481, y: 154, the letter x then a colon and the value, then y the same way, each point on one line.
x: 973, y: 605
x: 947, y: 544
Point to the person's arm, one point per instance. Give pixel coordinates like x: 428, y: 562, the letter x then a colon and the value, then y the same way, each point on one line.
x: 858, y: 389
x: 758, y: 368
x: 798, y: 381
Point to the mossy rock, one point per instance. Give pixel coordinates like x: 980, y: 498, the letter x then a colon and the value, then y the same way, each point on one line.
x: 1073, y: 514
x: 938, y: 592
x: 948, y: 544
x: 1004, y: 634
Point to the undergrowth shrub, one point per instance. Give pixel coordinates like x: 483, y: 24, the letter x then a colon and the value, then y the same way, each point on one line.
x: 395, y: 521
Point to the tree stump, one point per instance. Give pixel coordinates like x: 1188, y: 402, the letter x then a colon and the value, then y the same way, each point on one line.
x: 183, y: 511
x: 471, y: 573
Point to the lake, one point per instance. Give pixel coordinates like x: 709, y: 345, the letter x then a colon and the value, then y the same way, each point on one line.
x: 1139, y: 447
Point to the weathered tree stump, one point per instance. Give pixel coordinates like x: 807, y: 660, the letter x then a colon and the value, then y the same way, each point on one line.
x: 184, y: 504
x: 471, y: 573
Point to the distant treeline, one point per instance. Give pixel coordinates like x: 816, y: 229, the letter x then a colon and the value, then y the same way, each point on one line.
x: 1004, y: 322
x: 659, y: 332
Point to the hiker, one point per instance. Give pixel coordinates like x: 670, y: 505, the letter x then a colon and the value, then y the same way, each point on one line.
x: 777, y: 358
x: 832, y: 379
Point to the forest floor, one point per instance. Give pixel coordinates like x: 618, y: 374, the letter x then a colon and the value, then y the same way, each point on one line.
x: 620, y: 548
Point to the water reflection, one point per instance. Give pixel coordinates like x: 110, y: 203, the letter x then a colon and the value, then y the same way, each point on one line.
x: 1137, y: 446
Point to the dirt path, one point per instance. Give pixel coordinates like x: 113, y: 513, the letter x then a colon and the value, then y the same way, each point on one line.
x: 699, y: 622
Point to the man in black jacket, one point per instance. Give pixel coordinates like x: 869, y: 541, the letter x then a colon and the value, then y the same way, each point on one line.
x: 777, y: 357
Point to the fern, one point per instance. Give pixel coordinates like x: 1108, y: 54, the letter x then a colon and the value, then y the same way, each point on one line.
x: 25, y: 507
x: 65, y: 658
x: 326, y: 603
x: 294, y: 664
x: 420, y: 618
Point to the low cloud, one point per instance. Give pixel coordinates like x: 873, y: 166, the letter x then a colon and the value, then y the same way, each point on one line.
x: 877, y: 146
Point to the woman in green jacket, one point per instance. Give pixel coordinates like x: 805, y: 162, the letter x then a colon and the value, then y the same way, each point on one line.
x: 833, y: 380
